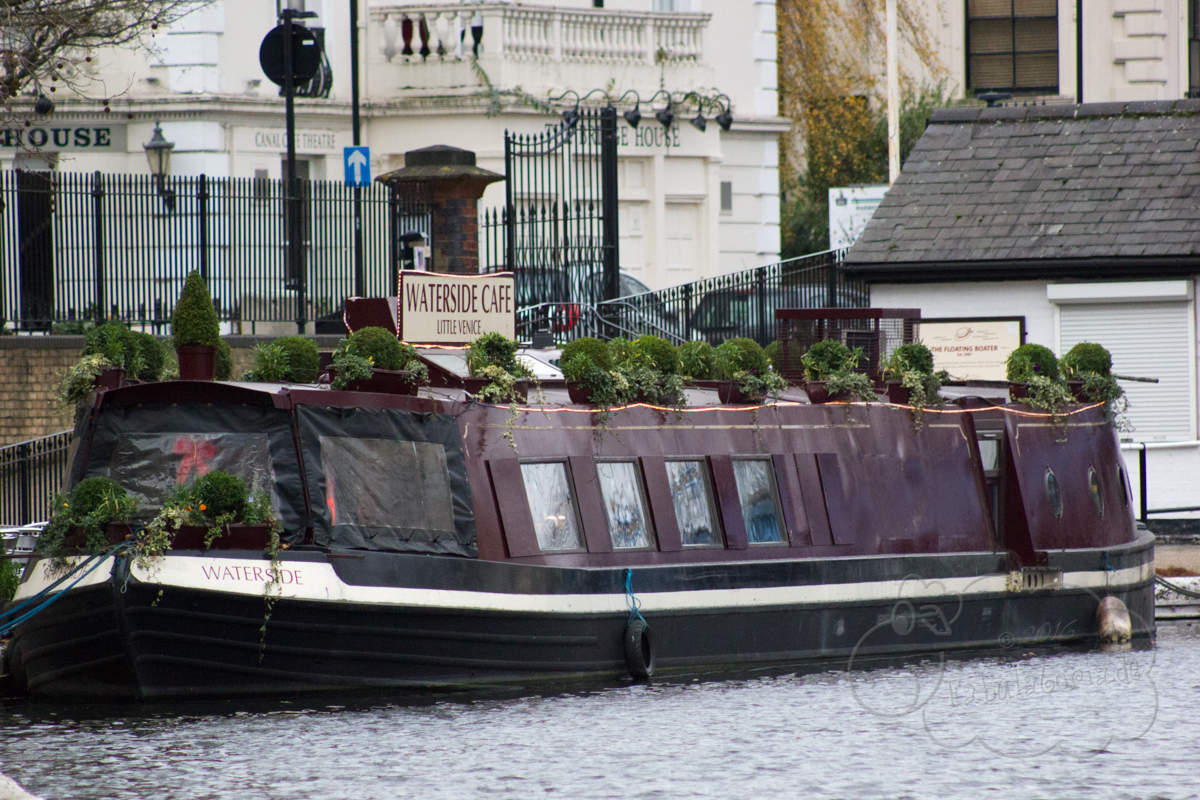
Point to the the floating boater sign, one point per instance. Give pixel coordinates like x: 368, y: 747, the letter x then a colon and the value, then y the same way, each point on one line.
x: 973, y: 348
x: 440, y: 308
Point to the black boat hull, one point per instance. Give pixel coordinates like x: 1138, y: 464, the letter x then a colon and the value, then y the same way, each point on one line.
x: 130, y: 636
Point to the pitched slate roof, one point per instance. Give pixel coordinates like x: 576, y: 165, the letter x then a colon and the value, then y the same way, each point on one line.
x: 1097, y: 190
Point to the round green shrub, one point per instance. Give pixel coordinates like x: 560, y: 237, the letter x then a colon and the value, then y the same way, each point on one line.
x: 304, y: 364
x: 912, y: 357
x: 1029, y: 360
x: 152, y: 354
x: 827, y: 358
x: 493, y: 350
x: 659, y: 351
x: 697, y: 360
x: 221, y: 493
x: 380, y: 345
x: 194, y: 320
x: 771, y: 351
x: 739, y: 354
x: 1087, y: 358
x: 92, y: 493
x: 224, y: 360
x: 595, y: 350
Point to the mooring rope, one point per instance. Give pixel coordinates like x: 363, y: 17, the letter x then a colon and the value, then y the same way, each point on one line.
x: 1177, y: 589
x: 635, y: 605
x: 99, y: 559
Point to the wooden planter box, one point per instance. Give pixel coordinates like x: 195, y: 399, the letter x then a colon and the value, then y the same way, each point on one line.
x: 898, y: 394
x: 473, y: 386
x: 382, y: 381
x: 234, y: 537
x: 117, y: 533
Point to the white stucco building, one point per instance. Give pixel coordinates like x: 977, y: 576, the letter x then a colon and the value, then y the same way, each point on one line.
x: 692, y: 204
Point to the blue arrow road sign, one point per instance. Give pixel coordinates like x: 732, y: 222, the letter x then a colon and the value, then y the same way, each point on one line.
x: 358, y: 165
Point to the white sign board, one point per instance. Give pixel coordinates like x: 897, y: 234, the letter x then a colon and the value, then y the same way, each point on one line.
x: 439, y: 308
x: 850, y: 207
x: 972, y: 350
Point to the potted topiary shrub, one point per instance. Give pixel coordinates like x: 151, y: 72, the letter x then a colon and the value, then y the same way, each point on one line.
x: 291, y: 359
x: 1027, y: 362
x: 215, y: 511
x: 119, y: 348
x: 647, y: 370
x: 93, y: 516
x: 374, y: 360
x: 829, y: 374
x: 496, y: 374
x: 744, y: 376
x: 912, y: 381
x: 586, y: 365
x: 195, y: 331
x: 1088, y: 369
x: 697, y: 363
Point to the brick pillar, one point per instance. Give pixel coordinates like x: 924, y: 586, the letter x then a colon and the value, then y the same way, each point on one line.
x: 455, y: 232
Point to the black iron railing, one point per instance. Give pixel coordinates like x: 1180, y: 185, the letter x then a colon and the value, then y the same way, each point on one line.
x: 80, y: 246
x: 738, y: 304
x: 30, y: 474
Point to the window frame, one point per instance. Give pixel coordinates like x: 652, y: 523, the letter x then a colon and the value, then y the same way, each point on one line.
x: 784, y: 539
x: 1013, y: 18
x: 574, y: 496
x: 644, y: 497
x: 714, y: 512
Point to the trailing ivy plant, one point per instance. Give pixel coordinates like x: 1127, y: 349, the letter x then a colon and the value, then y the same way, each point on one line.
x: 833, y: 362
x: 494, y: 356
x: 912, y: 365
x: 1092, y: 364
x: 80, y: 380
x: 88, y: 509
x: 1037, y: 367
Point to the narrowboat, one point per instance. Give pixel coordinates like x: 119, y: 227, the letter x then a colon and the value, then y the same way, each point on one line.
x: 425, y: 548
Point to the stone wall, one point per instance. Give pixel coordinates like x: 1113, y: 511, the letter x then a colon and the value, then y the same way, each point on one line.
x: 31, y: 368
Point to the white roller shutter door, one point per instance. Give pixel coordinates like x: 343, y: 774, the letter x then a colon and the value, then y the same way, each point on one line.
x: 1150, y: 340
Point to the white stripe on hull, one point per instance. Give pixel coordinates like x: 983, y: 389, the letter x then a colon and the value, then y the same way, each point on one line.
x: 316, y: 581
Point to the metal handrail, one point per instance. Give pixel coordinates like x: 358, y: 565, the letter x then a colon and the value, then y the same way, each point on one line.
x: 1141, y: 448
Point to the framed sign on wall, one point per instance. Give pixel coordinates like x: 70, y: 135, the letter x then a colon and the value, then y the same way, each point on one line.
x: 441, y: 308
x: 973, y: 348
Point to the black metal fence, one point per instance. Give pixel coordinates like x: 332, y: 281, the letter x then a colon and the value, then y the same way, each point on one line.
x: 79, y: 246
x: 30, y: 473
x: 738, y: 304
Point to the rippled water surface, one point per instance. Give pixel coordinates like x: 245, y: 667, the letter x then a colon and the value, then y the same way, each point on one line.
x: 1117, y: 723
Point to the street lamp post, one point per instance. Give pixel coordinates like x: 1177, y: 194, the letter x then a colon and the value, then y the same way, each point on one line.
x: 158, y: 153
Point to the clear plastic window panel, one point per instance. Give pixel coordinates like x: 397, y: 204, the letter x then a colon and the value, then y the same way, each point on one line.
x: 620, y: 486
x: 693, y: 503
x: 552, y: 506
x: 385, y: 483
x: 756, y: 492
x: 152, y: 466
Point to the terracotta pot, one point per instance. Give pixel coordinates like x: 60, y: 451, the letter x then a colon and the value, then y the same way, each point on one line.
x: 579, y: 392
x: 234, y: 537
x: 110, y: 378
x: 1018, y: 391
x: 818, y: 393
x: 474, y: 386
x: 730, y: 394
x: 197, y: 363
x: 898, y: 394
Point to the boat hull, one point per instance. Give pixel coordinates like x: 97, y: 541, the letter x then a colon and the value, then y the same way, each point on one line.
x: 193, y: 626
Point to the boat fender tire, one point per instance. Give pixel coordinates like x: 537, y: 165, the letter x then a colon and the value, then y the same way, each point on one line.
x: 639, y: 650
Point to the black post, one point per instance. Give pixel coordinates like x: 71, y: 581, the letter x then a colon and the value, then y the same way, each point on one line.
x: 608, y: 190
x: 1079, y: 51
x: 1142, y: 482
x: 24, y: 469
x: 202, y: 203
x: 360, y: 274
x: 98, y: 241
x: 295, y: 251
x: 394, y: 236
x: 760, y: 278
x: 510, y: 210
x: 831, y: 282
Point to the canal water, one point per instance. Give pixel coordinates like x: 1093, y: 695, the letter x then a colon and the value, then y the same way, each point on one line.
x: 1029, y: 723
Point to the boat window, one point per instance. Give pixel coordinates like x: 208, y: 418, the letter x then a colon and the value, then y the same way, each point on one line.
x: 624, y: 504
x: 760, y: 508
x: 692, y: 497
x: 989, y: 454
x: 387, y: 483
x: 1054, y: 494
x: 152, y: 465
x: 552, y: 506
x: 1094, y: 491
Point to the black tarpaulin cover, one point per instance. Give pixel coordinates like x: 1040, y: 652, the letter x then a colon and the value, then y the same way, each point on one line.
x: 151, y: 449
x: 386, y: 479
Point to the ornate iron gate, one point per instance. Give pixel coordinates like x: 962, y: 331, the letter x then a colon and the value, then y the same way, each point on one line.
x: 558, y: 228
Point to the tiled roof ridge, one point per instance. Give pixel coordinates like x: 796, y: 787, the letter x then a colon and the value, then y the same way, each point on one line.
x: 1012, y: 113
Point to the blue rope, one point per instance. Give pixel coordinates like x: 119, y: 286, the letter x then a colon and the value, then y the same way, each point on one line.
x: 12, y: 624
x: 634, y: 604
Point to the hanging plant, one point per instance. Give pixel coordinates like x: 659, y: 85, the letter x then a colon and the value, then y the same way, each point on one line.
x: 1089, y: 366
x: 911, y: 367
